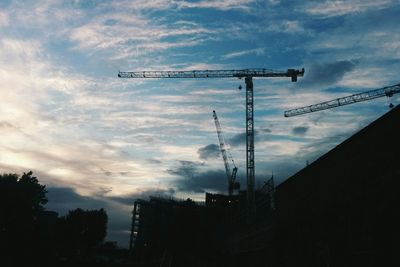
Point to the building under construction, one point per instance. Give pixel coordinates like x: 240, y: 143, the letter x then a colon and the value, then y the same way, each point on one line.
x: 341, y: 210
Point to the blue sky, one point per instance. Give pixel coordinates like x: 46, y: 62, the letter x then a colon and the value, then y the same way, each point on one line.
x: 99, y: 141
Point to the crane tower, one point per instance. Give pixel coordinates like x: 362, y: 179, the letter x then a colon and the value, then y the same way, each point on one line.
x: 248, y: 75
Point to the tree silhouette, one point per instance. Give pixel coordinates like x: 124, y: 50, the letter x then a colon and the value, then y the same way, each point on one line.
x: 81, y: 230
x: 21, y: 203
x: 32, y: 236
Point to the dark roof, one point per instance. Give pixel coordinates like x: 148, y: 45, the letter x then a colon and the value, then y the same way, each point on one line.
x: 374, y: 148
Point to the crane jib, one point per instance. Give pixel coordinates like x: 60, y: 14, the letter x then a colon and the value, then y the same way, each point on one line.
x: 213, y: 74
x: 388, y: 91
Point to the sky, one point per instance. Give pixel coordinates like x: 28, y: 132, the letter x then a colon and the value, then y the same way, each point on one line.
x: 98, y: 141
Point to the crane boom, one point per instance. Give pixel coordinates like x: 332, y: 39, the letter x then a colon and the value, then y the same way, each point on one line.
x: 351, y: 99
x: 230, y: 175
x: 213, y: 74
x: 248, y: 74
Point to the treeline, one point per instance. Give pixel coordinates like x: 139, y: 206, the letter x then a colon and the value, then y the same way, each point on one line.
x: 32, y: 236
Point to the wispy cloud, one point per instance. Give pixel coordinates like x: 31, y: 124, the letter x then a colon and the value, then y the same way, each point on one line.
x: 132, y: 36
x: 256, y: 51
x: 3, y: 19
x: 215, y: 4
x: 286, y: 26
x: 166, y: 4
x: 340, y: 8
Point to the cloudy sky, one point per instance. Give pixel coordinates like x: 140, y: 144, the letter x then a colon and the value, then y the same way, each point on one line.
x: 99, y: 141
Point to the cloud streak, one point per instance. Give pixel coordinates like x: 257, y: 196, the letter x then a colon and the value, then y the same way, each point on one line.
x: 329, y: 9
x: 257, y: 51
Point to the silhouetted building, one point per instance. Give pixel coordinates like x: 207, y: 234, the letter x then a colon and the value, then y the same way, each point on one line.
x: 168, y: 231
x: 220, y: 200
x: 184, y: 233
x: 343, y: 209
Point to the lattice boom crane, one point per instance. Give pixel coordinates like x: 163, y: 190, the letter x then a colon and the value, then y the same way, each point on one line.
x: 248, y: 75
x: 231, y: 175
x: 388, y: 91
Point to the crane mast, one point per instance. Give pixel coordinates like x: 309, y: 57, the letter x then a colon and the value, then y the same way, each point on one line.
x: 388, y: 91
x: 232, y: 184
x: 248, y: 74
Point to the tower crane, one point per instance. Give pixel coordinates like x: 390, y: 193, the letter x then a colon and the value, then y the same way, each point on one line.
x: 232, y: 184
x: 388, y: 91
x: 248, y: 75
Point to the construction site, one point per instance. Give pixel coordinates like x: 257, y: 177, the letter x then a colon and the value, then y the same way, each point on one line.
x: 340, y: 210
x: 204, y: 133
